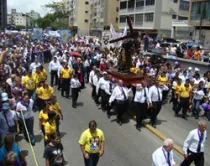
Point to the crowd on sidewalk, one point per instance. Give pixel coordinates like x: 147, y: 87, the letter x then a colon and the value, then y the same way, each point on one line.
x: 24, y: 90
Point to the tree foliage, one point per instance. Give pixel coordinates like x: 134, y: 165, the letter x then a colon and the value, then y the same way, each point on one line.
x: 19, y: 27
x: 57, y: 18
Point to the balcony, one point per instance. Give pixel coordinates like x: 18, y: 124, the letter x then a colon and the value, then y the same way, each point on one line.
x: 180, y: 23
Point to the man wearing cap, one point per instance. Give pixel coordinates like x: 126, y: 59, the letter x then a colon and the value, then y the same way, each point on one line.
x: 8, y: 122
x: 141, y: 100
x: 120, y: 96
x: 189, y: 73
x: 53, y: 70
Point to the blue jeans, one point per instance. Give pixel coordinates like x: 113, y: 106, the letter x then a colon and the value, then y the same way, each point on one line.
x: 195, y: 107
x: 93, y: 159
x: 30, y: 127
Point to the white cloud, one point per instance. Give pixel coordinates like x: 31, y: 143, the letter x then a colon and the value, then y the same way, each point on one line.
x: 24, y: 6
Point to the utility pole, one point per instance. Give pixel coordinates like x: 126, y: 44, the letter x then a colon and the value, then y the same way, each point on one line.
x: 203, y: 14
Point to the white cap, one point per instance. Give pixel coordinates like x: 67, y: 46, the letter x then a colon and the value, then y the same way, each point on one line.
x: 189, y: 68
x: 64, y: 61
x: 139, y: 85
x: 104, y: 72
x: 197, y: 69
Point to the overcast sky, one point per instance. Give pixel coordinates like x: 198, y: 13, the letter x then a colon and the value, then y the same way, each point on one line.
x: 24, y: 6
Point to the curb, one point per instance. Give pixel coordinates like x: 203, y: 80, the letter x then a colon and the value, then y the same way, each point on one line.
x: 158, y: 134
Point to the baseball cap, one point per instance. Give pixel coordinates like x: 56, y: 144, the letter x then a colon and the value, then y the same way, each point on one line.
x: 104, y: 72
x: 4, y: 96
x: 5, y: 106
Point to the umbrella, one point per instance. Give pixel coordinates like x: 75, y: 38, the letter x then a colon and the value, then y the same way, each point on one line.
x: 191, y: 44
x: 80, y: 41
x: 74, y: 53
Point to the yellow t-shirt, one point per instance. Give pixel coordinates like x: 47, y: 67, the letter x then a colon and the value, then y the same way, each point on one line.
x: 37, y: 77
x: 66, y: 73
x: 163, y: 80
x: 43, y: 117
x: 92, y: 141
x: 178, y: 88
x: 45, y: 93
x: 55, y: 107
x: 43, y: 75
x: 133, y: 70
x: 185, y: 92
x: 49, y: 129
x: 29, y: 82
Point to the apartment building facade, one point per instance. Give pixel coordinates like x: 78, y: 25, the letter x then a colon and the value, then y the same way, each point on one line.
x: 200, y: 19
x: 103, y: 12
x: 15, y: 18
x: 34, y: 15
x: 3, y: 14
x: 155, y: 16
x: 79, y: 15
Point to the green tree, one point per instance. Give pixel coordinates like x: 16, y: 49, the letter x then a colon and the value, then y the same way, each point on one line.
x: 19, y: 27
x: 57, y: 19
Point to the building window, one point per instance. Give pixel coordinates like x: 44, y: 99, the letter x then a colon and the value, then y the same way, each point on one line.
x: 200, y: 9
x: 175, y: 1
x: 86, y: 11
x: 86, y: 21
x: 182, y: 18
x: 139, y: 3
x: 86, y: 3
x: 149, y: 17
x: 131, y: 4
x: 123, y: 5
x: 173, y: 16
x: 150, y: 2
x: 139, y: 19
x: 117, y: 9
x: 184, y: 5
x: 122, y: 19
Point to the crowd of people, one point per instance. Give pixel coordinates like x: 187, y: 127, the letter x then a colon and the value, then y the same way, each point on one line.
x: 25, y: 90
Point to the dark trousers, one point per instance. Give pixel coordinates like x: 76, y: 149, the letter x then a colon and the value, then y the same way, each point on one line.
x: 175, y: 103
x: 65, y: 86
x: 198, y: 159
x: 109, y: 107
x: 97, y: 96
x: 75, y: 94
x: 87, y: 70
x: 121, y: 108
x: 103, y: 99
x: 57, y: 122
x: 93, y: 94
x: 30, y: 127
x: 172, y: 95
x: 54, y: 76
x: 59, y: 83
x: 184, y: 105
x: 140, y: 109
x: 156, y: 107
x: 93, y: 159
x: 40, y: 103
x: 196, y: 107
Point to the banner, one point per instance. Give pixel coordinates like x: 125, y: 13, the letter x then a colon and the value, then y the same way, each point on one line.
x: 53, y: 34
x: 37, y: 33
x: 64, y: 36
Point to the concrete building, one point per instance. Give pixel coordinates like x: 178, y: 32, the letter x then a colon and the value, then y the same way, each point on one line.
x: 79, y: 15
x: 200, y: 19
x: 103, y: 12
x: 15, y: 18
x: 3, y: 14
x: 156, y: 16
x: 34, y: 15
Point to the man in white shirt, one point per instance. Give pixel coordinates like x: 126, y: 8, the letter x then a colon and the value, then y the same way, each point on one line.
x: 140, y: 100
x: 53, y: 70
x: 34, y: 65
x: 120, y: 96
x: 155, y: 100
x: 163, y: 156
x: 194, y: 146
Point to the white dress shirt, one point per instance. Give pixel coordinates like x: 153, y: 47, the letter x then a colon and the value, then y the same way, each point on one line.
x: 53, y: 66
x: 153, y: 94
x: 92, y: 73
x: 34, y: 65
x: 101, y: 84
x: 59, y: 69
x: 75, y: 83
x: 87, y: 63
x: 27, y: 111
x: 199, y: 94
x: 95, y: 80
x: 141, y: 96
x: 192, y: 141
x: 118, y: 94
x: 160, y: 156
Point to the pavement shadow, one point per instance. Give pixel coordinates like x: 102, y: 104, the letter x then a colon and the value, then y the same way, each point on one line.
x: 38, y: 138
x: 18, y: 138
x: 66, y: 163
x: 62, y: 134
x: 25, y: 152
x: 80, y: 104
x: 160, y: 121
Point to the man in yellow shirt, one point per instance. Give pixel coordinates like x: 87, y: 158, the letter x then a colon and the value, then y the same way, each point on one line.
x: 92, y: 144
x: 44, y: 93
x: 29, y: 82
x: 163, y: 80
x: 184, y: 98
x: 66, y: 74
x: 43, y: 73
x: 37, y: 76
x: 177, y: 90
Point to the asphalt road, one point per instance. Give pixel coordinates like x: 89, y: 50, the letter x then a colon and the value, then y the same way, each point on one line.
x: 124, y: 145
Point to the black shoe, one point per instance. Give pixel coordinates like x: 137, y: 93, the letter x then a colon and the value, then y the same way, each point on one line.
x: 184, y: 117
x: 154, y: 125
x: 138, y: 127
x: 108, y: 116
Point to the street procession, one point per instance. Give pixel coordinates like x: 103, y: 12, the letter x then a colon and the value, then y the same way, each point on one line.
x: 111, y: 97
